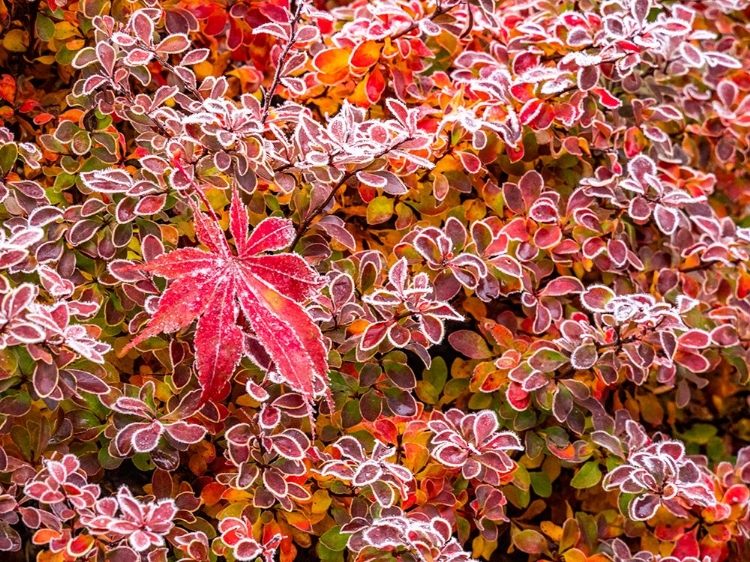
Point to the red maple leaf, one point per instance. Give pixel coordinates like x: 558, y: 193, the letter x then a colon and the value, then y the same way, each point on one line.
x: 217, y: 286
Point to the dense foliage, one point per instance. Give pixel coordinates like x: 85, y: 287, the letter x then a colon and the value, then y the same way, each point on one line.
x: 419, y: 280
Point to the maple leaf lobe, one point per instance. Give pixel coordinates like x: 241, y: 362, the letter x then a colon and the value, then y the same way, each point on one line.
x: 214, y: 287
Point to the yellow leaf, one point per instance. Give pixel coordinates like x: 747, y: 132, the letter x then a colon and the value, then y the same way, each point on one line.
x: 651, y: 409
x: 475, y: 210
x: 65, y: 30
x: 390, y: 49
x: 477, y: 546
x: 16, y: 41
x: 475, y: 307
x: 246, y: 402
x: 551, y: 530
x: 233, y: 509
x: 169, y: 233
x: 47, y: 556
x: 321, y: 501
x: 416, y: 456
x: 204, y: 69
x: 489, y: 548
x: 574, y: 555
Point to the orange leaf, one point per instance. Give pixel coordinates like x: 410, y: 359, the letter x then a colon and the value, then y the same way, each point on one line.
x: 236, y: 496
x: 71, y: 115
x: 333, y: 65
x: 366, y: 54
x: 43, y: 118
x: 359, y: 95
x: 212, y: 493
x: 288, y: 550
x: 48, y: 556
x: 43, y: 536
x: 299, y: 520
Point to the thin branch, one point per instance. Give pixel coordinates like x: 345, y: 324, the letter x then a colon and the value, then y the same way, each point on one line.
x: 439, y: 11
x: 166, y: 64
x: 197, y: 190
x: 305, y: 224
x: 162, y: 130
x: 282, y: 58
x: 469, y: 22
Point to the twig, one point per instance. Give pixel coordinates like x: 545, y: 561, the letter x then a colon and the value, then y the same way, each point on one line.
x: 166, y: 64
x: 162, y: 130
x: 469, y: 22
x: 197, y: 191
x: 277, y: 74
x: 439, y: 11
x: 305, y: 224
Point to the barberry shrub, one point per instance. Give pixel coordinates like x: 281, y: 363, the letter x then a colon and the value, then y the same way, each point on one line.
x: 386, y: 280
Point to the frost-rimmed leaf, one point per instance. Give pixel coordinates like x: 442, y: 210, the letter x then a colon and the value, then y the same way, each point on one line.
x: 216, y: 286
